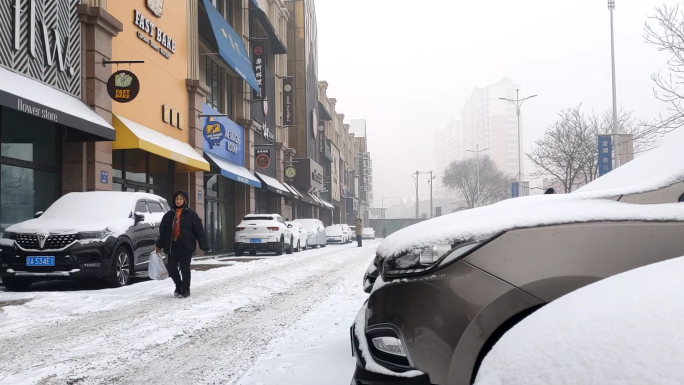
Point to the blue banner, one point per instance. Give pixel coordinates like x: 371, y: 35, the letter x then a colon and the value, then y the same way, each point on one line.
x: 223, y: 137
x: 515, y: 189
x: 605, y: 153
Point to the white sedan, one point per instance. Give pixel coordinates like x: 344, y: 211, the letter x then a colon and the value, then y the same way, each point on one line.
x: 623, y: 330
x: 299, y: 235
x: 335, y: 234
x: 263, y: 232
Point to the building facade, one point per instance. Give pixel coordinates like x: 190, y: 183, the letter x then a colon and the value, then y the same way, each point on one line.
x: 364, y: 168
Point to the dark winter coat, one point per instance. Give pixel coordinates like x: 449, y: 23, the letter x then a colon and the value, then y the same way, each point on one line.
x: 191, y: 230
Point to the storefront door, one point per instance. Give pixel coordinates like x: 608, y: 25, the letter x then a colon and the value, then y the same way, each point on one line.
x: 219, y: 212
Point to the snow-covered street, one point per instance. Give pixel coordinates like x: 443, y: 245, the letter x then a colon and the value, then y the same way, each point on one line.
x: 271, y: 321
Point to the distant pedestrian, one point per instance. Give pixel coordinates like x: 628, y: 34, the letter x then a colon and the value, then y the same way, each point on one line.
x: 550, y: 191
x: 179, y: 232
x: 359, y: 232
x: 384, y: 232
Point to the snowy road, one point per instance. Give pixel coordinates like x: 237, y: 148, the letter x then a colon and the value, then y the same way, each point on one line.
x: 274, y: 321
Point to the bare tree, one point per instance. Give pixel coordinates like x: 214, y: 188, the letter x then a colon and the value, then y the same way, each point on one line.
x: 462, y: 176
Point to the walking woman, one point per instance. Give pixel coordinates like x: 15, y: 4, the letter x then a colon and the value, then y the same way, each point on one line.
x: 179, y: 232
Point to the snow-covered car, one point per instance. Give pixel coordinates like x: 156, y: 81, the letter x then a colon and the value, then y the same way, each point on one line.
x: 348, y: 233
x: 368, y: 233
x: 263, y: 232
x: 315, y: 232
x: 492, y: 266
x: 104, y: 235
x: 624, y: 330
x: 335, y: 234
x: 299, y: 235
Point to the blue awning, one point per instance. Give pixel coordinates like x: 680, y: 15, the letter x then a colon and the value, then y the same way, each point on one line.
x: 233, y: 171
x: 230, y: 46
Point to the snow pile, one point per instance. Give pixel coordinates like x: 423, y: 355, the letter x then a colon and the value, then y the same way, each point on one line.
x: 483, y: 222
x: 623, y: 330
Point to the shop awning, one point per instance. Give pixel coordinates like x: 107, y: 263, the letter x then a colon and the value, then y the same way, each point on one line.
x: 273, y: 185
x: 323, y: 112
x: 230, y: 46
x: 131, y: 135
x: 306, y: 198
x: 318, y: 201
x: 327, y: 204
x: 35, y: 98
x: 233, y: 171
x: 277, y: 46
x: 295, y: 193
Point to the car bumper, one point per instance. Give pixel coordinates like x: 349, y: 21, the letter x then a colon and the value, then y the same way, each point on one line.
x: 77, y: 261
x: 365, y: 377
x: 264, y: 246
x: 334, y: 240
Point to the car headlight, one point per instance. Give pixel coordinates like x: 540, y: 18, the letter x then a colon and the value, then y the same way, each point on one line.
x: 425, y: 260
x: 92, y: 235
x: 7, y: 235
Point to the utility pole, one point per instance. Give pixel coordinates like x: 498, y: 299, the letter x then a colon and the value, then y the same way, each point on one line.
x: 477, y: 167
x: 616, y: 146
x: 417, y: 173
x: 518, y: 103
x: 432, y: 177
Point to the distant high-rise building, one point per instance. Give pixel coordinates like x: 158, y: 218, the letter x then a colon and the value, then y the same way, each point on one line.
x: 448, y: 148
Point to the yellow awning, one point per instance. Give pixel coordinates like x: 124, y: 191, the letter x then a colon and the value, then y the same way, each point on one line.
x: 131, y: 135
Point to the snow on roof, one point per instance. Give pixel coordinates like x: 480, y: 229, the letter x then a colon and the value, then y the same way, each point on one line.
x: 624, y: 330
x: 95, y: 205
x: 483, y: 222
x: 658, y: 168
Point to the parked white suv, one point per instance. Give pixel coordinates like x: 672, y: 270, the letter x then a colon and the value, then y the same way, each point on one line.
x: 348, y: 233
x: 263, y: 232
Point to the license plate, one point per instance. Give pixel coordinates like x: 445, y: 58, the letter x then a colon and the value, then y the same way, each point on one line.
x: 40, y: 261
x: 255, y: 240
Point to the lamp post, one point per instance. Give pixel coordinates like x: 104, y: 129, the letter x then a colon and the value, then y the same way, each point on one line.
x: 611, y: 8
x: 432, y: 177
x: 518, y: 103
x: 477, y: 167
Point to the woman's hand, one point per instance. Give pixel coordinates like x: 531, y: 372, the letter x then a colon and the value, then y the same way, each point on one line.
x: 157, y: 250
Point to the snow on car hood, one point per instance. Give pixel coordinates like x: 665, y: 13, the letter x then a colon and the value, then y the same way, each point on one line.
x: 484, y: 222
x: 624, y: 330
x: 69, y: 225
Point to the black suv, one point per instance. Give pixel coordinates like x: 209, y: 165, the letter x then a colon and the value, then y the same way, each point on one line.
x: 106, y: 235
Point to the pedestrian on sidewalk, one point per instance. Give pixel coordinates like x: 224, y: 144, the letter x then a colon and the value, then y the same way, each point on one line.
x: 359, y: 232
x: 179, y: 232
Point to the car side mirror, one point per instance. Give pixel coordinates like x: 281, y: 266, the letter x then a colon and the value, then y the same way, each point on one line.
x: 38, y: 214
x: 289, y: 226
x: 138, y: 217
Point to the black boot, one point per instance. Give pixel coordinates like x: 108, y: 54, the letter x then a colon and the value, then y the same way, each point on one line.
x: 177, y: 292
x: 185, y: 294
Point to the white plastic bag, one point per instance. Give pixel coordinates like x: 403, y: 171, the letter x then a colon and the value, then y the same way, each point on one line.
x: 156, y: 269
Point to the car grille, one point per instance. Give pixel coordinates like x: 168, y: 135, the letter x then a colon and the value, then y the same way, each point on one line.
x: 53, y: 242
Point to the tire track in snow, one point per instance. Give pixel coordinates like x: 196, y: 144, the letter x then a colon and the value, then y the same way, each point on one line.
x: 105, y: 347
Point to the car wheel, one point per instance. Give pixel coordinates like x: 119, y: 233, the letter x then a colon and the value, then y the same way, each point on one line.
x: 299, y: 246
x: 291, y: 248
x: 17, y: 284
x: 120, y: 271
x: 279, y: 250
x: 252, y: 253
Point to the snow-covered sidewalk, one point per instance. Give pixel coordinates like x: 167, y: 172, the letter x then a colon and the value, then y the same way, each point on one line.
x: 141, y: 334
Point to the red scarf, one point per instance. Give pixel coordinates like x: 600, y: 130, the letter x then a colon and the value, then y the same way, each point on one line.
x: 176, y: 225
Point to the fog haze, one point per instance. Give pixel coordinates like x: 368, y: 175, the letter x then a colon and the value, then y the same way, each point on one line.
x: 408, y: 68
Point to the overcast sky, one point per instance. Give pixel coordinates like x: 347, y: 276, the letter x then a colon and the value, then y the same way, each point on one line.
x: 407, y: 67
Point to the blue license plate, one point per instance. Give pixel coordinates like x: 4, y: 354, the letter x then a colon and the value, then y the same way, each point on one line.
x: 40, y: 261
x: 255, y: 240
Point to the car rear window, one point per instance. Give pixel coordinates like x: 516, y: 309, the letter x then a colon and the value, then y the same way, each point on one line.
x: 258, y: 218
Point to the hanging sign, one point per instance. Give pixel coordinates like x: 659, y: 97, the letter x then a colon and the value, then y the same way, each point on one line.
x: 290, y: 172
x: 288, y: 101
x: 259, y: 66
x: 123, y: 86
x: 605, y: 156
x: 214, y: 132
x: 262, y: 157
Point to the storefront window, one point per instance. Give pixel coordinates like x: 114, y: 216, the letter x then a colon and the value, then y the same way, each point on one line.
x: 262, y: 202
x: 135, y: 165
x: 28, y: 138
x: 215, y: 80
x: 219, y: 222
x: 142, y: 172
x: 24, y: 192
x: 117, y: 164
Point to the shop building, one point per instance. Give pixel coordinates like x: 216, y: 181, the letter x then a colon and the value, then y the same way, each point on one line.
x: 55, y: 128
x: 337, y: 164
x: 364, y: 167
x: 325, y: 122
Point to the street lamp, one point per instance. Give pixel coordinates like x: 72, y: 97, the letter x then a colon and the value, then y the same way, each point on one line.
x: 611, y: 8
x: 477, y: 166
x: 518, y: 103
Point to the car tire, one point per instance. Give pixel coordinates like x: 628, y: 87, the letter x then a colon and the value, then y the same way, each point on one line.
x: 252, y: 253
x: 279, y: 250
x: 17, y: 283
x: 239, y: 253
x: 120, y: 270
x: 290, y: 249
x: 306, y: 245
x: 299, y: 246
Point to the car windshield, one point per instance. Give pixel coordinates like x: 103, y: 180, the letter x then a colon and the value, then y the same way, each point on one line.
x: 308, y: 224
x: 91, y: 206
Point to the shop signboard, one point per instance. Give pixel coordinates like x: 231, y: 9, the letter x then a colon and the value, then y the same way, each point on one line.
x: 288, y: 101
x: 123, y: 86
x: 262, y: 158
x: 290, y: 172
x: 223, y: 137
x: 309, y: 175
x: 259, y: 64
x: 605, y: 149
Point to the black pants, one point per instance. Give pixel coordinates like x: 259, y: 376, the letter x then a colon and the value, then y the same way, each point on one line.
x: 359, y: 240
x: 179, y: 268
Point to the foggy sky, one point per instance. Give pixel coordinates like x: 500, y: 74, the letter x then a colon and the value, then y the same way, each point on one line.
x: 407, y: 67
